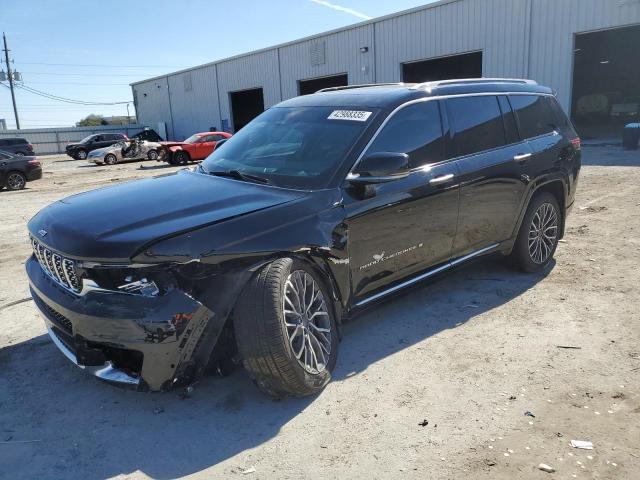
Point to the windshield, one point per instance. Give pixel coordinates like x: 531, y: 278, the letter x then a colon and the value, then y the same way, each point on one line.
x: 86, y: 139
x: 192, y: 139
x: 292, y: 147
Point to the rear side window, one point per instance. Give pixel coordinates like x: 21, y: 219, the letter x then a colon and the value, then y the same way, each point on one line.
x: 415, y: 130
x: 534, y: 115
x: 510, y: 128
x: 476, y: 123
x: 561, y: 117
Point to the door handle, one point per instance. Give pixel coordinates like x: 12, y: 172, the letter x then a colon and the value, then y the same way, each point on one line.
x: 441, y: 179
x: 522, y: 157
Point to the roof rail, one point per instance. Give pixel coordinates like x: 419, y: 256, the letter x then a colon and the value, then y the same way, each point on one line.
x: 363, y: 85
x: 466, y: 81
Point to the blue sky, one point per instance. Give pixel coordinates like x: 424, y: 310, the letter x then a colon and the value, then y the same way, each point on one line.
x: 120, y: 42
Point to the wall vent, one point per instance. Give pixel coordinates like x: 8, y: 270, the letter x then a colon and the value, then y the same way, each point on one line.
x: 188, y: 84
x: 317, y: 53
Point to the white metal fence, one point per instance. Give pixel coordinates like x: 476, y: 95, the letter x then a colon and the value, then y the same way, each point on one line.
x: 54, y: 140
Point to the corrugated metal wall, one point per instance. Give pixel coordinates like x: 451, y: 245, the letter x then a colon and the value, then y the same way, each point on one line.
x: 342, y: 55
x: 54, y: 140
x: 493, y: 26
x: 194, y: 101
x: 553, y: 26
x: 152, y: 104
x: 518, y: 38
x: 259, y: 70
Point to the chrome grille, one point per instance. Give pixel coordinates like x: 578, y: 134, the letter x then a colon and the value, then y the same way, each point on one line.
x: 61, y: 269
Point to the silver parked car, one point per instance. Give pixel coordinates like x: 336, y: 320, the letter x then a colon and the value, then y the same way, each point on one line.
x: 127, y: 150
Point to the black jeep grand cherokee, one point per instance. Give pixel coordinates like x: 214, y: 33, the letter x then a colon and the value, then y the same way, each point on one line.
x: 322, y: 205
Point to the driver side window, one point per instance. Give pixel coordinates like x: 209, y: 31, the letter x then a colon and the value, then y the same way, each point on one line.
x: 415, y: 130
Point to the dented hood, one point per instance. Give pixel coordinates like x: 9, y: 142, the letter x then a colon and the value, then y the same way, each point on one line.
x: 114, y: 223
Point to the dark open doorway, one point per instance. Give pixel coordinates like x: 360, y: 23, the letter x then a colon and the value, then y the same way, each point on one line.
x: 245, y: 106
x: 466, y: 65
x: 312, y: 85
x: 606, y: 89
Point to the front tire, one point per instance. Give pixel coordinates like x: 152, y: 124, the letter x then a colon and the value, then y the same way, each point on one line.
x: 181, y: 157
x: 538, y: 235
x: 110, y: 159
x: 81, y: 155
x: 16, y: 181
x: 286, y: 329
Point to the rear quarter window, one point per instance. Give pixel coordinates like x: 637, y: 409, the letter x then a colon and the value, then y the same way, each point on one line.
x: 534, y: 114
x: 476, y: 124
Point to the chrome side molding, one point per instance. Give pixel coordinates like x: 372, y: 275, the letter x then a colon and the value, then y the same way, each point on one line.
x: 426, y: 275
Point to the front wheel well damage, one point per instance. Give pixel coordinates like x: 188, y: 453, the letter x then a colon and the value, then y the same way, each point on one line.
x: 224, y: 355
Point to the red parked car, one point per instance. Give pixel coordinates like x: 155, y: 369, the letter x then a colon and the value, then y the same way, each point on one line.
x: 196, y: 147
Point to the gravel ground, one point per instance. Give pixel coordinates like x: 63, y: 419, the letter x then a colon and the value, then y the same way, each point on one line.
x: 469, y: 354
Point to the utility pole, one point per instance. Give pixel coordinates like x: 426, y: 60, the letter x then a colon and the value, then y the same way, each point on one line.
x: 10, y: 76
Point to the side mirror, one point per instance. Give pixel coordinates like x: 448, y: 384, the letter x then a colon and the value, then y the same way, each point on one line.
x: 380, y: 167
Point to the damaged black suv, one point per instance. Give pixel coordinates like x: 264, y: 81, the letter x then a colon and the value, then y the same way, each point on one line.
x: 322, y: 205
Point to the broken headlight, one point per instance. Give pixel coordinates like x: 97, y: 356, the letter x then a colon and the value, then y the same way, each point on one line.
x: 145, y: 287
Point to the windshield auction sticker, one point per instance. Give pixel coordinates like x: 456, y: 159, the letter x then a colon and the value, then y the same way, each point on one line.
x: 355, y: 115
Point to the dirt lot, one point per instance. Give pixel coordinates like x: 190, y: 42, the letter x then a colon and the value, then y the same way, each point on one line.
x: 470, y: 354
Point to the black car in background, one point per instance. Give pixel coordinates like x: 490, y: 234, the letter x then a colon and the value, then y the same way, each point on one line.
x: 17, y: 146
x: 321, y: 206
x: 17, y: 170
x: 80, y: 150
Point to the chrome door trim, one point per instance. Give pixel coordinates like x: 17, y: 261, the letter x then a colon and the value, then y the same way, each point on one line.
x: 442, y: 179
x: 425, y: 275
x: 438, y: 97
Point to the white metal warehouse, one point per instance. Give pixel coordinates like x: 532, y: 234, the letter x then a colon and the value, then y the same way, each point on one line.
x: 584, y: 49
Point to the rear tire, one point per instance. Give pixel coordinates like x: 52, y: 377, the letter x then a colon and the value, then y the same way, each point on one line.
x: 16, y: 181
x: 152, y: 155
x: 289, y: 347
x: 538, y: 235
x: 110, y: 159
x: 181, y: 158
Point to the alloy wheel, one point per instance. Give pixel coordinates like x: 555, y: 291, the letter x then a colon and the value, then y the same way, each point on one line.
x: 543, y: 233
x: 15, y: 181
x: 307, y: 320
x: 81, y: 155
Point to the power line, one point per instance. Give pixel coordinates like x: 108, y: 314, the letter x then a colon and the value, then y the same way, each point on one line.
x: 102, y: 65
x: 68, y: 74
x: 75, y: 83
x: 51, y: 96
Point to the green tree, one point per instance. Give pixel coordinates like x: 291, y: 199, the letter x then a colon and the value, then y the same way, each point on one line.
x: 92, y: 120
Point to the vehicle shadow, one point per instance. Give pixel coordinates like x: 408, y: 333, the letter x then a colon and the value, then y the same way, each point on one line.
x: 61, y: 423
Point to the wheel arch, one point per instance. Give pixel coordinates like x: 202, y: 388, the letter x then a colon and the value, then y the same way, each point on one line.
x: 558, y: 189
x: 555, y: 185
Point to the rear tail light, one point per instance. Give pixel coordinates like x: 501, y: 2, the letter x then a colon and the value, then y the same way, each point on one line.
x: 576, y: 143
x: 34, y: 163
x: 29, y: 147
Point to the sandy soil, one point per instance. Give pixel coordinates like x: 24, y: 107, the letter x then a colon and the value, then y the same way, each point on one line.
x: 470, y: 354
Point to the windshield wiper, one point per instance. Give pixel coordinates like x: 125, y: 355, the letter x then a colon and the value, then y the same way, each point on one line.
x: 238, y: 175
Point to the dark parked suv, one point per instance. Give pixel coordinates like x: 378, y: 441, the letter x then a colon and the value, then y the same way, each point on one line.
x: 17, y: 146
x: 80, y: 150
x: 322, y: 205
